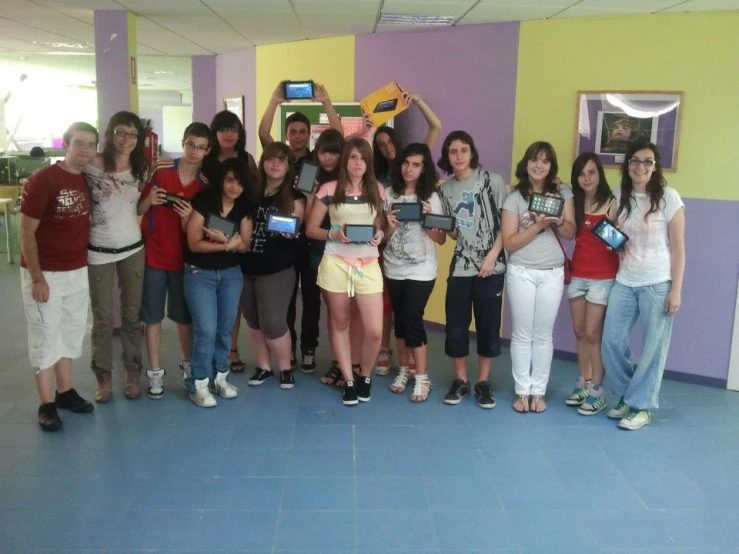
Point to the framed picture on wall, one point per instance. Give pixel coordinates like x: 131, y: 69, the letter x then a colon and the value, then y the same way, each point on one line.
x: 235, y: 104
x: 609, y: 122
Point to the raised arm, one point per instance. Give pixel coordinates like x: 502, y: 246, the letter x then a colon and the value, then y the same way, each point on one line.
x: 320, y: 94
x: 431, y: 118
x: 265, y: 126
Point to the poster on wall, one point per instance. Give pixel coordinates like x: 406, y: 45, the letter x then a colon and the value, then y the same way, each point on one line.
x: 608, y: 123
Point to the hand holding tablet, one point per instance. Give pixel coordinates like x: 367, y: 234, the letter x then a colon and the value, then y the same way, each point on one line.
x: 286, y: 225
x: 610, y: 234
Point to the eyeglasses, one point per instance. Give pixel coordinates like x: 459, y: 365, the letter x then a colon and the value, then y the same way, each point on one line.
x: 81, y: 144
x: 192, y: 146
x: 120, y: 133
x: 634, y: 162
x: 229, y: 130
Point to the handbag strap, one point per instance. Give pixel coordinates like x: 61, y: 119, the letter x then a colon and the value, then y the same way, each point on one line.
x: 559, y: 241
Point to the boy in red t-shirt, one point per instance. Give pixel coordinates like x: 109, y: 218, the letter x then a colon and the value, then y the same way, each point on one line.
x: 162, y: 226
x: 54, y: 228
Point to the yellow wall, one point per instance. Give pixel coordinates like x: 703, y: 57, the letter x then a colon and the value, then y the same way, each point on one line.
x: 329, y: 62
x: 695, y: 53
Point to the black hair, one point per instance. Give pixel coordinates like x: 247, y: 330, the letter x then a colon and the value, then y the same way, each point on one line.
x: 296, y: 117
x: 137, y: 159
x: 226, y: 120
x: 247, y: 200
x: 382, y: 164
x: 465, y: 137
x: 37, y: 152
x: 655, y: 186
x: 426, y: 184
x: 602, y: 191
x: 524, y: 186
x: 199, y: 130
x: 329, y: 140
x: 79, y: 126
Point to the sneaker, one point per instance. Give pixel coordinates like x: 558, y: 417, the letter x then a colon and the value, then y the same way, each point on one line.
x: 350, y: 394
x: 620, y: 411
x: 156, y: 383
x: 363, y: 390
x: 484, y: 393
x: 73, y: 402
x: 384, y: 361
x: 309, y: 360
x: 201, y: 395
x: 578, y: 395
x: 593, y: 405
x: 457, y: 392
x: 186, y: 370
x: 48, y: 417
x: 260, y: 376
x: 635, y: 420
x: 287, y: 380
x: 222, y: 387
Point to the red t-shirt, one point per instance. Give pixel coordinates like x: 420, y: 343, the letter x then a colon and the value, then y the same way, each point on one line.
x: 60, y: 200
x: 592, y: 259
x: 161, y: 227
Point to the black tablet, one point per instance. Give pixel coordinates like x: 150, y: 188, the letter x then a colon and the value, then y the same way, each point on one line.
x: 409, y: 211
x: 438, y: 221
x: 386, y: 106
x: 608, y: 233
x: 298, y: 90
x: 171, y: 198
x: 359, y: 233
x: 225, y: 226
x: 550, y: 206
x: 307, y: 176
x: 278, y: 223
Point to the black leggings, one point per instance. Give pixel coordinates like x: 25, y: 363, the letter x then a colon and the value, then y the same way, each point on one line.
x: 311, y: 296
x: 409, y: 299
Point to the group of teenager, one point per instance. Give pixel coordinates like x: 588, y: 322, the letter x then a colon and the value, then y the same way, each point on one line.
x: 94, y: 218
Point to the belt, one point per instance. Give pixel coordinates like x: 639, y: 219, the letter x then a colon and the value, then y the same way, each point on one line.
x: 115, y: 250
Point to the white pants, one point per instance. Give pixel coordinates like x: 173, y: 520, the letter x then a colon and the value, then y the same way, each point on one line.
x: 534, y: 295
x: 56, y: 328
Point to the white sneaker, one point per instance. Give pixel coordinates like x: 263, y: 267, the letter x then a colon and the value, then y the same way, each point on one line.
x: 384, y: 361
x: 635, y: 420
x: 156, y: 383
x: 620, y: 411
x: 201, y: 395
x: 223, y: 388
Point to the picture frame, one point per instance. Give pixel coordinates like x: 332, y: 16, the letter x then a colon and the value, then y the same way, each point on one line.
x: 608, y: 122
x: 235, y: 104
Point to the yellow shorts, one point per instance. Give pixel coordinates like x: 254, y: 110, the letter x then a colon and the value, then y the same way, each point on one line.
x: 335, y: 275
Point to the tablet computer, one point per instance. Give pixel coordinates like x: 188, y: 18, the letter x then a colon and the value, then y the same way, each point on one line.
x: 438, y: 221
x: 298, y: 90
x: 386, y: 106
x: 307, y: 176
x: 171, y: 198
x: 550, y: 206
x: 225, y: 226
x: 278, y: 223
x: 610, y: 234
x: 359, y: 233
x: 409, y: 211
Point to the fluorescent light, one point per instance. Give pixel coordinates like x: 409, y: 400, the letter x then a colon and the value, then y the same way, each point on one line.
x: 75, y: 45
x: 421, y: 20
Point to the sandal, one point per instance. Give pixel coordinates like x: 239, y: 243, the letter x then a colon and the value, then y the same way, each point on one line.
x: 538, y: 404
x: 236, y: 366
x: 521, y: 404
x: 401, y: 380
x: 422, y: 388
x: 333, y: 377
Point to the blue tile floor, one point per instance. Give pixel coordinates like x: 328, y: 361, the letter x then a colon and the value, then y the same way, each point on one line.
x: 296, y: 472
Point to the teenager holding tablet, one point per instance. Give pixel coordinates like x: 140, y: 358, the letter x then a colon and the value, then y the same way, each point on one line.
x: 648, y: 284
x: 535, y: 276
x: 351, y: 270
x: 218, y: 230
x: 409, y: 261
x: 594, y: 268
x: 269, y: 267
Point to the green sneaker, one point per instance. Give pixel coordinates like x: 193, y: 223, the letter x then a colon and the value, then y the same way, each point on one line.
x: 577, y: 397
x: 620, y: 411
x: 635, y: 420
x: 593, y: 405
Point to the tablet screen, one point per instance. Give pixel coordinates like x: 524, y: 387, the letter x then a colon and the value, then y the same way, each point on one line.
x: 298, y: 90
x: 608, y: 233
x: 410, y: 211
x: 282, y: 224
x: 307, y: 176
x: 221, y: 224
x: 546, y: 205
x: 360, y: 233
x: 437, y: 221
x: 386, y: 106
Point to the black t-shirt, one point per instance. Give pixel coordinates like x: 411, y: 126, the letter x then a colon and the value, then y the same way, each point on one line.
x: 212, y: 167
x: 299, y: 161
x: 321, y: 178
x: 268, y: 252
x: 208, y: 202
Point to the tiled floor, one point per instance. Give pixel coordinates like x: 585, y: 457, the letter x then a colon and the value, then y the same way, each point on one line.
x: 295, y: 471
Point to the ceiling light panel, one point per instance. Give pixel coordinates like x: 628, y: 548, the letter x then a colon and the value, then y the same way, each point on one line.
x: 412, y: 7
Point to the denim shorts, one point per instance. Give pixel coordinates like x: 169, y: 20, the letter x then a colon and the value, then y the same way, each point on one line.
x: 595, y: 291
x: 160, y: 287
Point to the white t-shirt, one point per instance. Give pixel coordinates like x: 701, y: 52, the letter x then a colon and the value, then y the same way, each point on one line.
x: 646, y: 258
x: 410, y: 252
x: 113, y: 219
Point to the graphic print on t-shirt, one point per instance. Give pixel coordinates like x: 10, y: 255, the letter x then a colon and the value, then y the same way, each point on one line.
x: 467, y: 203
x: 260, y: 234
x: 70, y: 203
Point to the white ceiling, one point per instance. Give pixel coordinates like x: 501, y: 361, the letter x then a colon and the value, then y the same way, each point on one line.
x: 32, y: 29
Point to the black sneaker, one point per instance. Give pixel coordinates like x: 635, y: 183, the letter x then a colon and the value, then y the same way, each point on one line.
x: 259, y: 377
x: 350, y: 394
x: 48, y: 417
x: 484, y: 393
x: 457, y: 392
x: 309, y: 360
x: 287, y: 381
x: 73, y: 402
x: 363, y: 389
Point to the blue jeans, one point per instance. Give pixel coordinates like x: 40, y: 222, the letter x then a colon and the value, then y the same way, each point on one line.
x: 213, y: 299
x: 638, y: 384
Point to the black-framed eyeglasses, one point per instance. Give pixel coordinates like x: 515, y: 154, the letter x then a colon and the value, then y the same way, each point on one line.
x: 192, y: 146
x: 120, y: 133
x: 634, y: 162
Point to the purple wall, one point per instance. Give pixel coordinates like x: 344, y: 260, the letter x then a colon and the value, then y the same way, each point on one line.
x: 466, y: 74
x: 701, y: 336
x: 236, y: 75
x: 204, y: 103
x: 112, y: 70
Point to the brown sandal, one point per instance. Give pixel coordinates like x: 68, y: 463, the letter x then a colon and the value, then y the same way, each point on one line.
x: 538, y: 404
x: 521, y: 404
